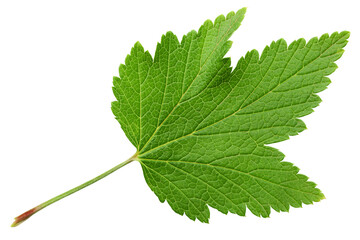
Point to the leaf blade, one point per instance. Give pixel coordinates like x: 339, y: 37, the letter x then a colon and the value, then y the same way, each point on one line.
x: 206, y: 127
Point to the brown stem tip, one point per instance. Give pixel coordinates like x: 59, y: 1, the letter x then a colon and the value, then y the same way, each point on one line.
x: 21, y: 218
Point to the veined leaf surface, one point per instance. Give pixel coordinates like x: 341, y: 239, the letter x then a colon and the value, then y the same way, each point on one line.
x: 201, y: 129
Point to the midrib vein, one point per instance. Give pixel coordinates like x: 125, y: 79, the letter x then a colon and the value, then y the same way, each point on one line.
x: 159, y: 125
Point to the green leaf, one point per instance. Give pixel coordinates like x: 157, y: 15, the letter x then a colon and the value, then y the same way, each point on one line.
x: 201, y: 129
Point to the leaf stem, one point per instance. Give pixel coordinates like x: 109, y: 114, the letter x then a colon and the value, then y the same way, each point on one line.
x: 21, y: 218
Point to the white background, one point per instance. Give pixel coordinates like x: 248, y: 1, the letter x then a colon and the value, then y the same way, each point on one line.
x: 57, y: 59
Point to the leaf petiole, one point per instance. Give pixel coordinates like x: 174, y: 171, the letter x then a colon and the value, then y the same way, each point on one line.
x: 23, y: 217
